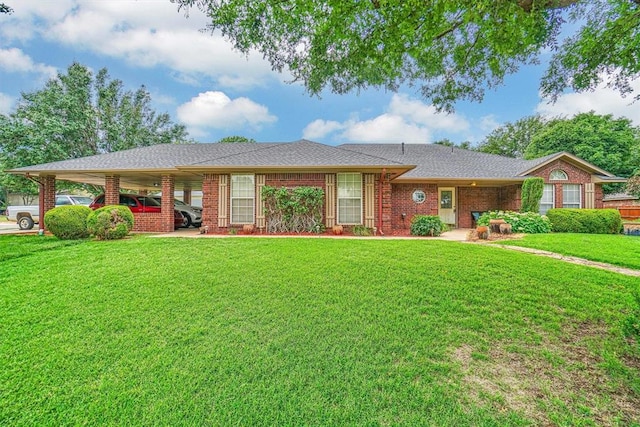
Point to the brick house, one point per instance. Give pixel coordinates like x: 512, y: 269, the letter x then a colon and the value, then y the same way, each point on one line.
x: 377, y: 185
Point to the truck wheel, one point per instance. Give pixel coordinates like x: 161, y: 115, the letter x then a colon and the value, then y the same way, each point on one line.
x: 25, y: 223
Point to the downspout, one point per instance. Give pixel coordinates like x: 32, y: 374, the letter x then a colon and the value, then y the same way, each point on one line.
x: 40, y: 203
x: 384, y: 172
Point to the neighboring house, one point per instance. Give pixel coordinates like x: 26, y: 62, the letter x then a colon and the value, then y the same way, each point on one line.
x: 617, y: 200
x: 377, y: 185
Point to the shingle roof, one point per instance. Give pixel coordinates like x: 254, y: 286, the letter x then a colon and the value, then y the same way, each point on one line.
x: 439, y: 161
x: 171, y: 156
x: 432, y: 161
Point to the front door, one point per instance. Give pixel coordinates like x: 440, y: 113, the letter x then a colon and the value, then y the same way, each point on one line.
x: 447, y: 205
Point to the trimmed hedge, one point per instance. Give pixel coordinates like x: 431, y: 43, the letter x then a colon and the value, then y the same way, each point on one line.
x: 110, y: 222
x: 427, y: 225
x: 68, y: 222
x: 521, y: 222
x: 593, y: 221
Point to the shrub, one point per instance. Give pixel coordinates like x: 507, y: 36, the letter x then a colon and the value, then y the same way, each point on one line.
x: 110, y: 222
x: 427, y: 225
x: 361, y: 230
x: 293, y: 210
x: 593, y: 221
x: 521, y: 222
x: 68, y: 222
x: 532, y: 189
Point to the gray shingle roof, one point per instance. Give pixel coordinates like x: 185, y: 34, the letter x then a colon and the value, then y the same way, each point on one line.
x: 296, y: 154
x: 439, y: 161
x: 432, y: 161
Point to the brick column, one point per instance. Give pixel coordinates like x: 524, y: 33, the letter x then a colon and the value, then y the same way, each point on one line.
x: 112, y: 190
x: 186, y: 195
x: 387, y: 226
x: 210, y: 202
x: 168, y: 189
x: 47, y: 197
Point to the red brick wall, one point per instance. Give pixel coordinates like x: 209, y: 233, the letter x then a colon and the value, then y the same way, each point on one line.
x: 510, y: 198
x: 210, y: 202
x: 387, y: 205
x: 575, y: 176
x: 402, y: 202
x: 168, y: 190
x: 47, y: 196
x: 112, y: 190
x: 147, y: 222
x: 475, y: 199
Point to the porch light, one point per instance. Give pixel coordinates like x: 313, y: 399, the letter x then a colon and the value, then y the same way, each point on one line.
x: 473, y: 184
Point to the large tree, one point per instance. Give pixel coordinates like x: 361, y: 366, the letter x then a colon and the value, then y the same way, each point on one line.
x: 512, y: 139
x: 612, y: 144
x: 5, y: 8
x: 78, y: 114
x: 454, y: 49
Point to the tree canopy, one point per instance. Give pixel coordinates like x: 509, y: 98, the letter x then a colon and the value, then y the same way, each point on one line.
x: 5, y: 8
x: 235, y: 139
x: 612, y: 144
x: 78, y: 114
x: 512, y: 139
x: 453, y: 49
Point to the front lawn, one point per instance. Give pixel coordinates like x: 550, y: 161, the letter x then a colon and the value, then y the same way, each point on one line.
x: 251, y: 331
x: 618, y: 249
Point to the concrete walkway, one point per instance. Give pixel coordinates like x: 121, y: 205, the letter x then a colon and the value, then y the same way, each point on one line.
x: 574, y: 260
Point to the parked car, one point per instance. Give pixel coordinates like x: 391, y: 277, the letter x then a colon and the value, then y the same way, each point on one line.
x: 141, y: 204
x: 27, y: 216
x: 192, y: 214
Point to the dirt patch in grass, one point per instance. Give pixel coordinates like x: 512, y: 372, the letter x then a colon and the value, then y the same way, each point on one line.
x: 551, y: 383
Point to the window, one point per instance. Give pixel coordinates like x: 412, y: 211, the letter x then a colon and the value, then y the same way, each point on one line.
x: 349, y: 198
x: 419, y: 196
x: 558, y: 175
x: 548, y: 199
x: 61, y: 201
x: 243, y: 192
x: 571, y: 196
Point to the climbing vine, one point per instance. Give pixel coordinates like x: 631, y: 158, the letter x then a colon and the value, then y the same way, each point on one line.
x: 293, y: 210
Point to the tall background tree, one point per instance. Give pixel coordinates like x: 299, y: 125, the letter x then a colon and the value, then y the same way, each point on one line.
x: 512, y: 139
x: 235, y: 139
x: 452, y: 49
x: 5, y: 8
x: 612, y: 144
x: 78, y: 114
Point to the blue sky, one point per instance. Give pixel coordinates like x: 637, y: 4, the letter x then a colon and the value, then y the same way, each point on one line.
x: 203, y: 83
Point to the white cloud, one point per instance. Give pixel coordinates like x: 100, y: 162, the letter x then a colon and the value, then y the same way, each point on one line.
x: 143, y: 33
x: 320, y: 128
x: 13, y: 60
x: 215, y: 110
x: 602, y: 100
x: 405, y: 120
x: 151, y: 34
x: 386, y: 128
x: 488, y: 123
x: 6, y: 103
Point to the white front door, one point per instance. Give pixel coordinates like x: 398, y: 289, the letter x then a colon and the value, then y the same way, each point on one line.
x: 447, y: 205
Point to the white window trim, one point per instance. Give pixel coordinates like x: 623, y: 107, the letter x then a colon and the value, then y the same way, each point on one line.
x: 232, y: 198
x: 553, y: 197
x: 579, y: 196
x: 338, y: 198
x: 565, y: 177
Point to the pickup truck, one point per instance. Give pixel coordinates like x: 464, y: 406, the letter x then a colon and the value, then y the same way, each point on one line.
x: 27, y: 216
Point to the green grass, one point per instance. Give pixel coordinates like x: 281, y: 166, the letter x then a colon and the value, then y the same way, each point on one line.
x: 618, y: 250
x: 250, y: 331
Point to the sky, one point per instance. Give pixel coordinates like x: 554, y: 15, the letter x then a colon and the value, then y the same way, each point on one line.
x: 202, y: 82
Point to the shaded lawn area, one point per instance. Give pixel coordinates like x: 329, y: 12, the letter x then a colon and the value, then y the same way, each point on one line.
x: 613, y: 249
x: 251, y: 331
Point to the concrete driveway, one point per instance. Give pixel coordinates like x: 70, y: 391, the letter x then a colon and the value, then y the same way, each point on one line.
x: 9, y: 227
